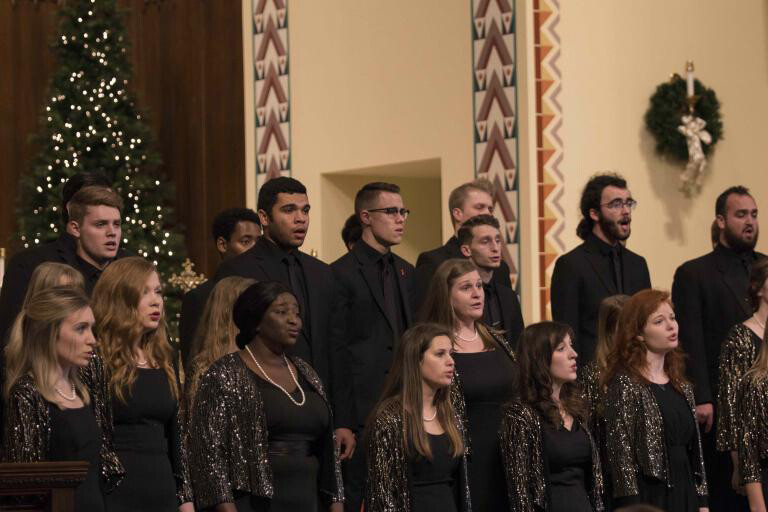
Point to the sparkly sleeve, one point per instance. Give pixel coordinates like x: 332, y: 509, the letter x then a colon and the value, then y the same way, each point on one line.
x: 736, y: 357
x: 179, y: 457
x: 385, y: 467
x: 518, y: 439
x: 621, y: 415
x: 590, y: 388
x: 208, y: 431
x: 25, y: 428
x: 751, y: 409
x: 95, y: 379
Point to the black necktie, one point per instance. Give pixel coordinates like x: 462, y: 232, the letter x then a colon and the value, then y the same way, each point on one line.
x: 297, y: 286
x: 617, y: 269
x: 388, y: 287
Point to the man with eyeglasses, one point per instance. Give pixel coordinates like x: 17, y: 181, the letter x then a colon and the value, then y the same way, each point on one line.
x: 601, y: 266
x: 375, y: 301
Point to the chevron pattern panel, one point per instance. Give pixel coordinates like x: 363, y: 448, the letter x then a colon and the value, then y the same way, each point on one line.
x: 549, y: 145
x: 495, y: 115
x: 271, y: 89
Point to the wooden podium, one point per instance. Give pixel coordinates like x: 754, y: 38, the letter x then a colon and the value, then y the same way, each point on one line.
x: 40, y: 486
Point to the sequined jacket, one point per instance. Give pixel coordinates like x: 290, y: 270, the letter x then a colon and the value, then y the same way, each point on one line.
x: 457, y: 392
x: 737, y: 355
x: 27, y: 429
x: 752, y: 409
x: 635, y: 437
x: 228, y: 437
x: 594, y: 394
x: 388, y: 482
x: 520, y: 440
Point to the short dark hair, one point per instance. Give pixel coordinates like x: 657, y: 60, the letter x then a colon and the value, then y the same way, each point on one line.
x: 281, y: 185
x: 250, y: 306
x: 370, y: 191
x: 722, y: 199
x: 93, y: 196
x: 590, y: 199
x: 75, y: 183
x: 352, y: 231
x: 464, y: 235
x: 225, y: 222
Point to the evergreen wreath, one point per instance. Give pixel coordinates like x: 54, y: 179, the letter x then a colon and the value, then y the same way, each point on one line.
x: 668, y: 104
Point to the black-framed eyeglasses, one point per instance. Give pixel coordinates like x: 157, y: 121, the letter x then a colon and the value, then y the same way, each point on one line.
x: 618, y: 204
x: 392, y: 210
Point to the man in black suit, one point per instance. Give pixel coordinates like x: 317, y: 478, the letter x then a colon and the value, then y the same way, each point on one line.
x: 601, y: 266
x: 235, y: 230
x: 89, y: 241
x: 711, y: 295
x: 464, y: 202
x: 283, y: 209
x: 480, y: 241
x: 375, y: 288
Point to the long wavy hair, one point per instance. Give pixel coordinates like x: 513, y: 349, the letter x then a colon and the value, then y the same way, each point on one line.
x: 31, y: 348
x: 118, y: 327
x: 216, y: 331
x: 628, y: 354
x: 437, y: 307
x: 607, y: 324
x: 404, y: 387
x: 50, y: 274
x: 537, y: 344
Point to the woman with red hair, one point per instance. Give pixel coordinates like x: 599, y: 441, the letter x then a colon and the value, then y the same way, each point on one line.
x: 654, y: 445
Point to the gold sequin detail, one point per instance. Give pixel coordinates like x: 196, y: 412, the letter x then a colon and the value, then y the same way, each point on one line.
x: 635, y: 437
x: 752, y: 409
x: 228, y: 435
x: 737, y: 355
x: 520, y: 437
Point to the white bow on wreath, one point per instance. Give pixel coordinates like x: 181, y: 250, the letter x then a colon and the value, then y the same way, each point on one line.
x: 694, y: 132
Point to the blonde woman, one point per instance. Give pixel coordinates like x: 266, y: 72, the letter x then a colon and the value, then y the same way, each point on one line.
x: 416, y: 457
x: 50, y: 274
x: 216, y: 332
x: 143, y: 389
x: 48, y: 414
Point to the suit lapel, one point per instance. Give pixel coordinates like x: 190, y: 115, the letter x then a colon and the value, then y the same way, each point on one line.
x: 372, y: 277
x: 731, y: 282
x: 272, y: 267
x: 402, y: 272
x: 505, y: 301
x: 596, y: 261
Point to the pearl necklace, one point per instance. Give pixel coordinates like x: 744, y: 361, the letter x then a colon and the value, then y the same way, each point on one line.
x: 462, y: 338
x: 432, y: 418
x: 65, y: 397
x: 303, y: 396
x: 759, y: 323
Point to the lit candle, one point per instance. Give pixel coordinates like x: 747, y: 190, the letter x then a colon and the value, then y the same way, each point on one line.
x: 689, y: 78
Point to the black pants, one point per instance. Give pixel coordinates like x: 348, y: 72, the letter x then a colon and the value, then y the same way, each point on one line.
x: 722, y: 497
x: 354, y: 472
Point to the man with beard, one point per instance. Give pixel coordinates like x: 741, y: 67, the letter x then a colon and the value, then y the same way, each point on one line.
x: 480, y: 241
x: 601, y: 266
x: 711, y: 295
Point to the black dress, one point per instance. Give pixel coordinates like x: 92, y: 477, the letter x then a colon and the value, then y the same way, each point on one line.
x: 75, y: 435
x: 569, y: 461
x: 679, y: 434
x: 146, y: 441
x: 295, y: 438
x: 433, y: 482
x: 488, y: 382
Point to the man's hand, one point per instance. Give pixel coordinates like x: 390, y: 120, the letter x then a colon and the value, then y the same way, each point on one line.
x: 345, y: 442
x: 705, y: 414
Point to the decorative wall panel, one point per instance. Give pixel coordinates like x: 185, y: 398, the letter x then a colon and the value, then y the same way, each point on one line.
x: 495, y: 115
x: 271, y: 89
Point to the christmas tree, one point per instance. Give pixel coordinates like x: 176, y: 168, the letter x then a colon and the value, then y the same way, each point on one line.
x: 91, y: 124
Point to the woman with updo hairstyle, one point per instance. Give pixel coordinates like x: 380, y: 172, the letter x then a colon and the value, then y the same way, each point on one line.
x: 142, y: 388
x: 486, y: 373
x: 50, y: 274
x: 50, y: 414
x: 550, y: 458
x: 738, y: 353
x: 653, y: 441
x: 416, y: 453
x: 216, y: 331
x: 261, y: 435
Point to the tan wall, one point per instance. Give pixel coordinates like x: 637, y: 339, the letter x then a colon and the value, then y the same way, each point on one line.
x: 375, y: 84
x: 614, y: 53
